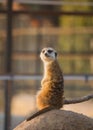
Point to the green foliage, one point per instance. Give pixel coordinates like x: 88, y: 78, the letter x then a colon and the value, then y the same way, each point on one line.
x: 75, y: 66
x: 75, y: 43
x: 78, y: 41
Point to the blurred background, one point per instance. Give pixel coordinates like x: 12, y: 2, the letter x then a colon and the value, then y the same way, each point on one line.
x: 26, y: 26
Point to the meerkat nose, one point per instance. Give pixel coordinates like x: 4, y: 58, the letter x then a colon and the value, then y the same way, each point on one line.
x: 46, y: 54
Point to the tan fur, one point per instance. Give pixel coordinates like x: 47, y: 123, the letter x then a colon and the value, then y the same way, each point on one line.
x: 51, y: 93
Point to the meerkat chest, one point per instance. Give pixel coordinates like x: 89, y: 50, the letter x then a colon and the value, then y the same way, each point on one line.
x: 51, y: 72
x: 48, y: 71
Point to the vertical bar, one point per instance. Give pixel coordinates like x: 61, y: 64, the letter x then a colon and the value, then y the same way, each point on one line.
x: 8, y: 84
x: 38, y: 47
x: 9, y: 36
x: 37, y: 66
x: 39, y: 41
x: 7, y: 124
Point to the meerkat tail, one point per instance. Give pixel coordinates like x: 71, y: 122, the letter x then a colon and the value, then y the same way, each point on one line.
x: 44, y: 110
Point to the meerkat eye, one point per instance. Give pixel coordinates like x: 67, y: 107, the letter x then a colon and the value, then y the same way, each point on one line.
x: 43, y: 51
x: 55, y: 54
x: 50, y: 51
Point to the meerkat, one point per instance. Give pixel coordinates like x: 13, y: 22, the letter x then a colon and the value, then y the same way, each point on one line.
x: 50, y: 96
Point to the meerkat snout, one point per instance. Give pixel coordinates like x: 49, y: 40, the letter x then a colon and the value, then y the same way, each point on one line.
x: 48, y: 54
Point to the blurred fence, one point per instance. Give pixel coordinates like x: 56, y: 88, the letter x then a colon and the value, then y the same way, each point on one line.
x: 25, y: 28
x: 37, y: 77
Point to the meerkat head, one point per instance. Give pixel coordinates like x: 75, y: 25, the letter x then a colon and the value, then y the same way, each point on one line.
x: 48, y: 54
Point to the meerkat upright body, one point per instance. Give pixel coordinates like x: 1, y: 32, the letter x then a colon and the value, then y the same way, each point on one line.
x: 50, y: 96
x: 51, y: 93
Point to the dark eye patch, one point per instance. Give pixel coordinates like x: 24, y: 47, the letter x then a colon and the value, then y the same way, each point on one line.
x: 50, y: 51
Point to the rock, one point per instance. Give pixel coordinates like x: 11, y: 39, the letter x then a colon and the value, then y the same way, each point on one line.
x: 58, y: 120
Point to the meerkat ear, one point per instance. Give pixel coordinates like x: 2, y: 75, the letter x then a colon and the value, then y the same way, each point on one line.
x: 55, y: 54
